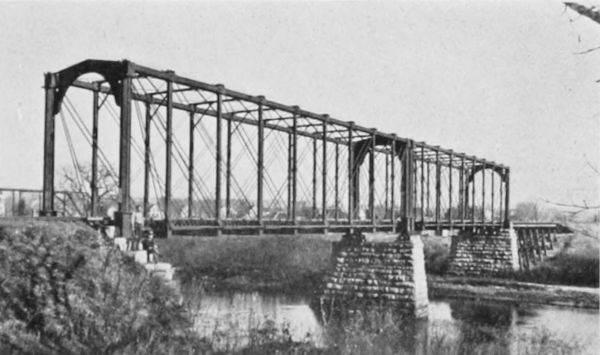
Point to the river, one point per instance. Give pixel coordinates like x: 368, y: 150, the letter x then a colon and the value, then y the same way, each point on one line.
x: 229, y: 319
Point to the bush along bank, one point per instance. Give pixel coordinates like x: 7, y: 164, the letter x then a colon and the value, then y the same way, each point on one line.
x: 64, y: 290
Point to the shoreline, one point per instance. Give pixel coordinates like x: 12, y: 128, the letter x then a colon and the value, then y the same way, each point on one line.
x: 488, y: 289
x: 503, y: 290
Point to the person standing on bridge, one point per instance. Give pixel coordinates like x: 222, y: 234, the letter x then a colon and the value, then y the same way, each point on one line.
x: 137, y: 224
x: 149, y: 245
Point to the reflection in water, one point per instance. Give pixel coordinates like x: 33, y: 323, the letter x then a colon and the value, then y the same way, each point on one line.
x: 229, y: 321
x: 483, y: 323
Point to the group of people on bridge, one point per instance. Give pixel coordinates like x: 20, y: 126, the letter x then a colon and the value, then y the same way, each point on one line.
x: 142, y: 237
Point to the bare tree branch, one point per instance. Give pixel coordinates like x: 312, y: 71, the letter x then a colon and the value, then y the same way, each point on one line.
x: 589, y: 12
x: 588, y: 50
x: 71, y: 181
x: 581, y: 207
x: 591, y: 166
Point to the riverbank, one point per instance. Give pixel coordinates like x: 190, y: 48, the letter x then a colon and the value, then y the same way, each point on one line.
x: 502, y: 290
x: 488, y: 289
x: 297, y: 264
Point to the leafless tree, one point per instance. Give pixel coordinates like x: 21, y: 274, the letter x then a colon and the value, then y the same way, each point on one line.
x: 77, y: 182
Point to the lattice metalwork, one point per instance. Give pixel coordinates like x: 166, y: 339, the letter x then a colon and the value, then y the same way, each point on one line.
x: 202, y: 157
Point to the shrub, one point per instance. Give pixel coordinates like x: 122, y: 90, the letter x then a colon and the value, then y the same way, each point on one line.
x: 437, y: 255
x: 565, y: 269
x: 290, y: 263
x: 64, y: 290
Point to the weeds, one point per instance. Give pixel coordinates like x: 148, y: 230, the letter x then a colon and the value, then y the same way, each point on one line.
x: 437, y: 254
x: 288, y: 263
x: 379, y: 333
x: 64, y: 290
x: 564, y: 269
x: 577, y: 262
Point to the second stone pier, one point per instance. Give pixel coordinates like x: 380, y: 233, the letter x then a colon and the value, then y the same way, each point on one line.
x: 484, y: 254
x: 390, y: 275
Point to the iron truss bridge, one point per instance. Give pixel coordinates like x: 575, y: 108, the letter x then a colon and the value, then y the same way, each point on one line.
x: 204, y: 159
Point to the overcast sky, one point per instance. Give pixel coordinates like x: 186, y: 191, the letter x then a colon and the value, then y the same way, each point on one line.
x: 498, y: 80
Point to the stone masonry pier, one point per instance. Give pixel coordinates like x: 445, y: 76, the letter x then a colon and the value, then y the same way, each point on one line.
x: 479, y: 254
x: 391, y: 275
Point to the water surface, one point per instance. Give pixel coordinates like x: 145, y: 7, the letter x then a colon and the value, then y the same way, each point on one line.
x: 228, y: 319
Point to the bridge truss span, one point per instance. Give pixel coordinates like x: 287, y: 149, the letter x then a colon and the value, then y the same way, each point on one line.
x: 247, y: 164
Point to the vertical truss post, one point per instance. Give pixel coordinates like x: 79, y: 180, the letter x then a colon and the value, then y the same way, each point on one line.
x: 438, y: 191
x: 169, y: 155
x: 410, y: 159
x: 407, y: 189
x: 191, y: 167
x: 500, y: 200
x: 124, y: 220
x: 506, y: 198
x: 415, y: 177
x: 289, y: 178
x: 422, y: 187
x: 483, y: 193
x: 336, y: 181
x: 324, y: 172
x: 219, y: 158
x: 295, y: 165
x: 428, y: 209
x: 450, y: 189
x: 94, y: 180
x: 228, y: 169
x: 493, y: 193
x: 314, y: 179
x: 387, y: 186
x: 260, y: 165
x: 463, y: 200
x: 350, y: 174
x: 147, y: 128
x: 393, y: 184
x: 473, y: 192
x: 372, y: 179
x: 49, y: 139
